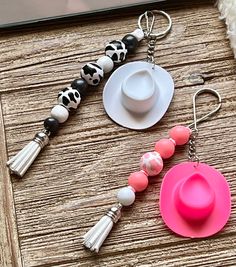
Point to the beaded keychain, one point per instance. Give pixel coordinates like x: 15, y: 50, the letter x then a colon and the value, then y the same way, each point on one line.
x: 203, y: 187
x: 70, y: 97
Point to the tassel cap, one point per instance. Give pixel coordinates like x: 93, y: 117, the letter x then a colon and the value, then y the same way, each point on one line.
x: 41, y: 138
x: 115, y: 213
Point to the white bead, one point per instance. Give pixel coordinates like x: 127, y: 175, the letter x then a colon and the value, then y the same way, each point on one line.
x: 106, y: 63
x: 138, y: 33
x: 126, y: 196
x: 60, y: 113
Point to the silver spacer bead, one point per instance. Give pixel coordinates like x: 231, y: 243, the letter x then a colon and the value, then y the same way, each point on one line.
x: 41, y: 138
x: 115, y: 212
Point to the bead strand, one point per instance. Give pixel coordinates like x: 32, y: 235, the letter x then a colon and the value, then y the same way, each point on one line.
x: 69, y: 99
x: 151, y: 164
x: 116, y: 52
x: 91, y: 74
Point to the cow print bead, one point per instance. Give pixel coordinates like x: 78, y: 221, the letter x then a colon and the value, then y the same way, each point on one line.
x: 69, y: 98
x: 116, y: 50
x: 92, y: 73
x: 151, y: 163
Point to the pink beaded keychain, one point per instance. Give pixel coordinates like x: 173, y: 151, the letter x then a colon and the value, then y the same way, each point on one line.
x: 195, y: 198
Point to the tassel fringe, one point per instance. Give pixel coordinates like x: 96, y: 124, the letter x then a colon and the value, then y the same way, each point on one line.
x: 95, y: 237
x: 20, y: 163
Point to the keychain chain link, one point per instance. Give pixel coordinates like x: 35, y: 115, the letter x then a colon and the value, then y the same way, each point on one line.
x: 146, y: 23
x: 192, y: 152
x: 151, y: 49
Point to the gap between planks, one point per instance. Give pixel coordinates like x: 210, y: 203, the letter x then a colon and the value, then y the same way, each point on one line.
x: 10, y: 255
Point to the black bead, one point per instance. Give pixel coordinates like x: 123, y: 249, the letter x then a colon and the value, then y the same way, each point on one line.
x: 81, y: 86
x: 131, y: 42
x: 51, y: 124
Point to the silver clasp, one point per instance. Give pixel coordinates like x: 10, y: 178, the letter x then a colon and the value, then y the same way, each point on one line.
x: 147, y: 28
x: 149, y: 17
x: 192, y: 153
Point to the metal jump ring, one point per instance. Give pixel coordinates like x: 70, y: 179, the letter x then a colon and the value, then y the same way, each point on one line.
x: 148, y: 31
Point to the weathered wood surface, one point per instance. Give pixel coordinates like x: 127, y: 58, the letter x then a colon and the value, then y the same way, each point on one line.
x: 9, y: 246
x: 77, y: 176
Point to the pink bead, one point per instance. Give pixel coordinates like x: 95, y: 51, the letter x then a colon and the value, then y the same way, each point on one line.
x: 151, y: 163
x: 138, y: 180
x: 165, y: 147
x: 180, y: 134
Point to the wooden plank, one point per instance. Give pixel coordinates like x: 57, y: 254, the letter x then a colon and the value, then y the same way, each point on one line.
x: 9, y: 247
x: 77, y: 176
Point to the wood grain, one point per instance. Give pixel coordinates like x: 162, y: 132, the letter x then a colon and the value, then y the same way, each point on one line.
x: 76, y: 177
x: 10, y: 254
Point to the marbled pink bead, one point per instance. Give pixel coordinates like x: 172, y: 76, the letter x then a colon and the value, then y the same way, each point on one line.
x: 138, y: 180
x: 151, y: 163
x: 165, y: 147
x: 180, y: 134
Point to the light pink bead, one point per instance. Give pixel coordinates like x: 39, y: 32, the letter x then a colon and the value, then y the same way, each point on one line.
x: 180, y: 134
x: 165, y: 147
x: 138, y: 180
x: 151, y: 163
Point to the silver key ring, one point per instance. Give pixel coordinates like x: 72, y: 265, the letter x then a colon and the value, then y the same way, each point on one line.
x: 148, y: 30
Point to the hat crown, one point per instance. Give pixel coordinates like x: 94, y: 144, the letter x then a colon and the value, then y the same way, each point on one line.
x: 138, y: 91
x: 195, y: 198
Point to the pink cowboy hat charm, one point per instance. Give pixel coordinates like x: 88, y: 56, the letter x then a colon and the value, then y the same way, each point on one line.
x: 195, y: 200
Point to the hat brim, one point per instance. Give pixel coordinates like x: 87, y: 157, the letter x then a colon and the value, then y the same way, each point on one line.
x: 220, y: 213
x: 112, y: 96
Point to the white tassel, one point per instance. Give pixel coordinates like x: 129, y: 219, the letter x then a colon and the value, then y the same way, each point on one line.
x: 20, y: 163
x: 95, y: 237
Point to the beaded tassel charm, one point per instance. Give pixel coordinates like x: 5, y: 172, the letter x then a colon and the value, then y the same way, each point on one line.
x: 69, y: 98
x: 20, y: 163
x: 201, y: 196
x: 151, y: 164
x: 95, y: 237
